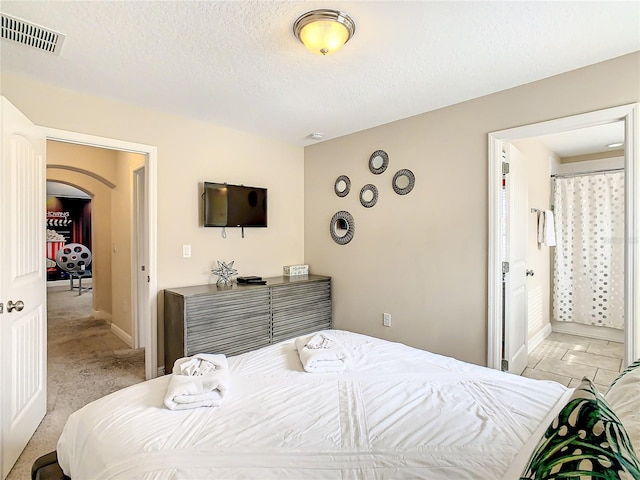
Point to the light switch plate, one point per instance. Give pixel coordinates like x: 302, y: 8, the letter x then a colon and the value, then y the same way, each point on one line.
x: 186, y: 251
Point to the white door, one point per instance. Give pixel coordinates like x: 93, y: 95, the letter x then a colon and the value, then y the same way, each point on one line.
x: 23, y: 334
x: 515, y: 251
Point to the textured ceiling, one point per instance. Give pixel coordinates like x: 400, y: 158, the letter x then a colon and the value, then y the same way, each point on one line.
x: 237, y: 63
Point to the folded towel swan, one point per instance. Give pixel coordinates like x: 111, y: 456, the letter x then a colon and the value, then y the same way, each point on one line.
x: 320, y: 353
x: 198, y: 381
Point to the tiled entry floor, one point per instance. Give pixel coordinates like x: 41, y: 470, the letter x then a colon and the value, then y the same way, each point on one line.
x: 567, y: 358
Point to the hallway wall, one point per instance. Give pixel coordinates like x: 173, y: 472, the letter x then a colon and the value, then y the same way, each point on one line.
x: 539, y: 159
x: 106, y: 175
x: 100, y: 161
x: 121, y: 252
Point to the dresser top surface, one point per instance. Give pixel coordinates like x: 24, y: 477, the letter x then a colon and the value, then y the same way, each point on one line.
x: 272, y: 281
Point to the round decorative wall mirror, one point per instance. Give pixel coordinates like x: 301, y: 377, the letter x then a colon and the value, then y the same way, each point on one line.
x: 403, y: 181
x: 378, y: 162
x: 342, y: 186
x: 342, y: 227
x: 368, y: 195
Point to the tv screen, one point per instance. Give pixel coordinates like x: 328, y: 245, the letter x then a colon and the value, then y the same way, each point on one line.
x: 234, y: 205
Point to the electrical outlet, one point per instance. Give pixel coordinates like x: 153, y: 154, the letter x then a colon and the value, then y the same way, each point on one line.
x: 186, y: 251
x: 386, y: 319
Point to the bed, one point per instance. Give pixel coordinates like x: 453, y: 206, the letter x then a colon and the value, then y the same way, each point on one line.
x: 396, y: 412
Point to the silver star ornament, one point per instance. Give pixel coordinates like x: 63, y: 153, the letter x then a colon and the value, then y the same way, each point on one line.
x: 224, y: 272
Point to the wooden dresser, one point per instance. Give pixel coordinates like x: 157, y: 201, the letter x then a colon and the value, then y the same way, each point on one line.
x: 238, y: 318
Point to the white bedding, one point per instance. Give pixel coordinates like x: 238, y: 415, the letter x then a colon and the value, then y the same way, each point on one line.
x: 396, y: 412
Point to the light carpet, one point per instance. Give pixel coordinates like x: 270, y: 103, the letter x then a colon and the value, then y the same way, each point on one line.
x: 85, y: 362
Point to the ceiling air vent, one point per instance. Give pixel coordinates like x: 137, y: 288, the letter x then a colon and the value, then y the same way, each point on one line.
x: 30, y: 34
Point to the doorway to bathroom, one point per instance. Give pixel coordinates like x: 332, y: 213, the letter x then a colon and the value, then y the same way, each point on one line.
x: 501, y: 326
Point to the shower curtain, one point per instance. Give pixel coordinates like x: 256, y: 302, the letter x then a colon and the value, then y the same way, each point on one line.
x: 589, y: 256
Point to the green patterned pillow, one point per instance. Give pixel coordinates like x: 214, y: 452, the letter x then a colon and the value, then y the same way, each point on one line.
x: 586, y: 440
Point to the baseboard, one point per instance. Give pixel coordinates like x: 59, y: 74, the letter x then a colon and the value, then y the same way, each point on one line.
x: 122, y: 335
x: 100, y: 315
x: 590, y: 331
x: 539, y: 337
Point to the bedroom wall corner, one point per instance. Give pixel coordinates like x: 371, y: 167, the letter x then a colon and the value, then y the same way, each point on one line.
x: 189, y: 153
x: 423, y: 257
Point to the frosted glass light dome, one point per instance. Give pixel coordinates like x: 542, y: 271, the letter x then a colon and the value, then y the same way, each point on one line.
x: 324, y: 32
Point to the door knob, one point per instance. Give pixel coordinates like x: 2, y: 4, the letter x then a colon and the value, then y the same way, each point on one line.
x: 19, y: 305
x: 530, y: 273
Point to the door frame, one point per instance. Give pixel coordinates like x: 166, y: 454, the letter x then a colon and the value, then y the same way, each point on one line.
x: 138, y: 257
x: 150, y: 153
x: 630, y: 114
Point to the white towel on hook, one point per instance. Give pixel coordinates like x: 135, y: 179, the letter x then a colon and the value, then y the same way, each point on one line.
x: 546, y: 228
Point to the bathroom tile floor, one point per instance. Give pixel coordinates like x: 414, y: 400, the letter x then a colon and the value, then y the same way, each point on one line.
x: 567, y: 358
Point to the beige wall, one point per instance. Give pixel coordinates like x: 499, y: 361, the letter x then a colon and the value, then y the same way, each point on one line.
x: 83, y: 159
x: 423, y: 257
x: 97, y: 162
x: 189, y: 152
x: 121, y: 246
x: 592, y: 156
x: 539, y: 159
x: 107, y: 176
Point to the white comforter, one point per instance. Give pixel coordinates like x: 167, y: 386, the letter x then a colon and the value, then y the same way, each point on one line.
x: 396, y: 412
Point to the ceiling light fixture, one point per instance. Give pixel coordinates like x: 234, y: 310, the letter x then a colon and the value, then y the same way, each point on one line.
x: 324, y: 31
x: 615, y: 145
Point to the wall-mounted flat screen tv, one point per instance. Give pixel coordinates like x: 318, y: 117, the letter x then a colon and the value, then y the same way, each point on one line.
x: 234, y: 205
